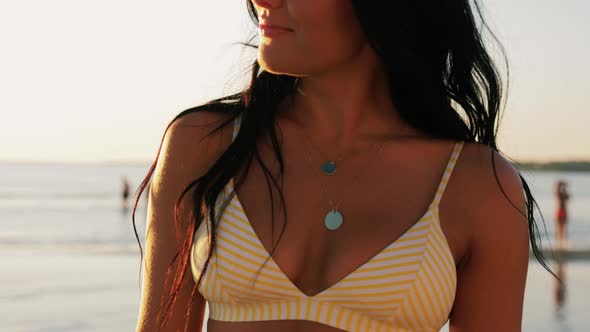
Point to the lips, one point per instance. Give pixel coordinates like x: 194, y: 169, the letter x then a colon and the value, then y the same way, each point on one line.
x: 273, y: 30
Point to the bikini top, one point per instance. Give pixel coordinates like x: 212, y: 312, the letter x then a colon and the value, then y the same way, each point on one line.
x: 408, y: 286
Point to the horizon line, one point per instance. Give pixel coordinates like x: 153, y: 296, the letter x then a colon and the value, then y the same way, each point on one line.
x: 147, y: 163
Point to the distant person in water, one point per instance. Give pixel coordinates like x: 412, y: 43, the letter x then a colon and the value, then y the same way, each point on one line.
x: 562, y: 195
x: 126, y: 189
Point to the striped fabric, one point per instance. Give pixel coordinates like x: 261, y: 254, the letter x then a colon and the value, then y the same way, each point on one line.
x: 408, y: 286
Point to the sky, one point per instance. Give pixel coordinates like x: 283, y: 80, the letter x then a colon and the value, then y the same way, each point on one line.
x: 98, y: 81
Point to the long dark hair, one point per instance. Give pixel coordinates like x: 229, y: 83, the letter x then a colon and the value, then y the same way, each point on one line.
x: 442, y: 81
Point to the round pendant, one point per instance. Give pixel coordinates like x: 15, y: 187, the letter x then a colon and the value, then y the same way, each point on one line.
x: 329, y: 167
x: 333, y: 220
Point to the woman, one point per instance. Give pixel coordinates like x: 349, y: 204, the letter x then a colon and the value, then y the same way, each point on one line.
x: 396, y: 211
x: 562, y: 195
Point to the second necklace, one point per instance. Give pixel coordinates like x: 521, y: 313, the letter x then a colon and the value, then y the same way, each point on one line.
x: 334, y: 218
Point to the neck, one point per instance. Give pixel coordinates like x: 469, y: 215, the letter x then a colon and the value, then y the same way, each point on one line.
x: 346, y: 105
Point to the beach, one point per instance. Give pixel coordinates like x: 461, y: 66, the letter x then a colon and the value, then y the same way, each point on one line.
x: 70, y: 261
x: 52, y: 290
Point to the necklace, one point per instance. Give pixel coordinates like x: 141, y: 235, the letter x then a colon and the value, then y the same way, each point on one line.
x: 334, y: 218
x: 328, y: 167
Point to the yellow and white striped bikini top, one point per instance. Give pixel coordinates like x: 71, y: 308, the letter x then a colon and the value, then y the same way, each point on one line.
x: 408, y: 286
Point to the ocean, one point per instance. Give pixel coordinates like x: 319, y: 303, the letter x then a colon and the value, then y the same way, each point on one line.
x: 70, y: 261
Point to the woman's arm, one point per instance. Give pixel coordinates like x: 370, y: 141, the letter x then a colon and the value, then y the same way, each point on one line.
x: 491, y: 278
x: 185, y: 155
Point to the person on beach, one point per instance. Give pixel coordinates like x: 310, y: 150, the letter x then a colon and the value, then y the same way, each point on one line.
x: 126, y: 187
x: 354, y: 185
x: 561, y: 215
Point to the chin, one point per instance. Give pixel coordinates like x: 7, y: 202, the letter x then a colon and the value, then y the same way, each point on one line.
x: 274, y: 66
x: 277, y: 63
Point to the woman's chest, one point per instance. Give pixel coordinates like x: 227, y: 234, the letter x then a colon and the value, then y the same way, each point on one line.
x: 378, y: 208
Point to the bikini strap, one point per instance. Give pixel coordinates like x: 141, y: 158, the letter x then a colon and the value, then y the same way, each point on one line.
x: 448, y: 171
x: 237, y: 123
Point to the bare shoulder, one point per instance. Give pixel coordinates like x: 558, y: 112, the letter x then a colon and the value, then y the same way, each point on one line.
x: 492, y: 275
x: 189, y: 147
x: 494, y: 190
